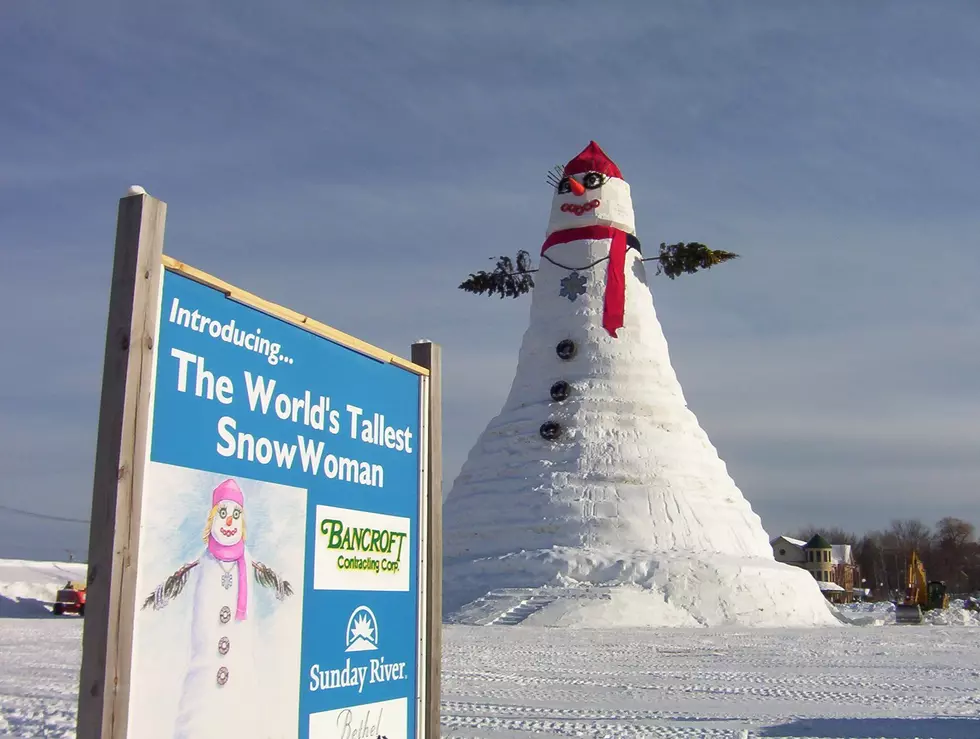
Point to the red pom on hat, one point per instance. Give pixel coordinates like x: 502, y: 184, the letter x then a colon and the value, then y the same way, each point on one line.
x: 593, y: 159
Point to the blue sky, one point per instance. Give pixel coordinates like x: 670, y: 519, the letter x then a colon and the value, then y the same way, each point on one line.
x: 355, y: 161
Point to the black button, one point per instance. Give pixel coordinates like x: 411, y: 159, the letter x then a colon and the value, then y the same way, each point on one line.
x: 550, y: 430
x: 566, y: 348
x: 225, y: 615
x: 560, y: 390
x: 224, y: 644
x: 222, y: 675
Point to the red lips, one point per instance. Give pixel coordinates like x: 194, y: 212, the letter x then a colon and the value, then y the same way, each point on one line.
x: 229, y: 532
x: 579, y: 210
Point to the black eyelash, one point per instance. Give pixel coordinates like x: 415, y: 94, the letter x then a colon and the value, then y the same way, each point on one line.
x: 555, y: 176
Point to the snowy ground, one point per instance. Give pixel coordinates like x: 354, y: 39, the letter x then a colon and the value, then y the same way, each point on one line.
x: 898, y: 682
x: 862, y: 682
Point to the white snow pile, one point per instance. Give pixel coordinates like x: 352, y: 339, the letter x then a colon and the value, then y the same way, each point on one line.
x: 27, y: 588
x: 633, y: 589
x: 882, y: 613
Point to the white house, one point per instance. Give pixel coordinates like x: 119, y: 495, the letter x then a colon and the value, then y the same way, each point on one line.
x: 790, y: 551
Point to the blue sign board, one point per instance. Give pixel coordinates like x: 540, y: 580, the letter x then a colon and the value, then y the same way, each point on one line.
x: 278, y: 582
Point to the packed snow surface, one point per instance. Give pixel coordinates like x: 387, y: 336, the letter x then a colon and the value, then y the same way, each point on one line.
x: 855, y: 682
x: 631, y: 497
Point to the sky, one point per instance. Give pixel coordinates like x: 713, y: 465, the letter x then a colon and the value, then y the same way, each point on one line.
x: 355, y: 161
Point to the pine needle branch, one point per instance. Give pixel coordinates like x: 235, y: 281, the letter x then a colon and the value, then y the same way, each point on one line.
x: 689, y: 258
x: 505, y: 280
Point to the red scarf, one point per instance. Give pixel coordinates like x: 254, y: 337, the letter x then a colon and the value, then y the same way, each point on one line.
x: 614, y: 301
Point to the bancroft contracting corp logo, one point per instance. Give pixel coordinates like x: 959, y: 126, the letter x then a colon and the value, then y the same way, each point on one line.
x: 361, y: 550
x: 362, y: 630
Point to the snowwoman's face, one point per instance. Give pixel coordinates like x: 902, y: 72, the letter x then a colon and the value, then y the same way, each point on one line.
x: 226, y: 528
x: 591, y: 199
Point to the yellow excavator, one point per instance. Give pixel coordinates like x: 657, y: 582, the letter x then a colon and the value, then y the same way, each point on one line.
x: 921, y: 595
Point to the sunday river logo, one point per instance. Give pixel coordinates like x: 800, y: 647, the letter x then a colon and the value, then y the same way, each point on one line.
x: 361, y: 636
x: 362, y: 630
x: 359, y: 550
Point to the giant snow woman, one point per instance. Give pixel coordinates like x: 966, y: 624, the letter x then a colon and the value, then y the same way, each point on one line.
x: 594, y: 497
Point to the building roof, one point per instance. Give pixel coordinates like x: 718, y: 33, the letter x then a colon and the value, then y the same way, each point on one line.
x: 829, y: 586
x: 818, y: 542
x: 789, y: 540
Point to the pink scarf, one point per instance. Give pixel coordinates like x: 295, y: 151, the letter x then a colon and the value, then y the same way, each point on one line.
x: 234, y: 553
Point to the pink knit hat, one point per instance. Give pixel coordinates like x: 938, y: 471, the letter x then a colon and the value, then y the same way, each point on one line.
x: 228, y: 490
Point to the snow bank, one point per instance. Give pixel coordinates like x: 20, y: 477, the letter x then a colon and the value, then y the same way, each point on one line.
x: 633, y: 589
x: 26, y: 588
x: 882, y: 613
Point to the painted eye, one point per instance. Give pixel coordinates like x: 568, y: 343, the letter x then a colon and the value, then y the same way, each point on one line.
x: 237, y: 514
x: 563, y: 186
x: 223, y: 512
x: 592, y: 180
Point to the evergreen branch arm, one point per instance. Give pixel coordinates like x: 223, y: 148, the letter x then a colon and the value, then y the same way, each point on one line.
x: 268, y: 578
x: 506, y: 279
x: 689, y: 258
x: 171, y: 588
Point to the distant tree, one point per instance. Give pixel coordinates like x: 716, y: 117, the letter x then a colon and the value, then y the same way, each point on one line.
x: 953, y: 533
x: 911, y: 534
x: 954, y: 550
x: 868, y: 555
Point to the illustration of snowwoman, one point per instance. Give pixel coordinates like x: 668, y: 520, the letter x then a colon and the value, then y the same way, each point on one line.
x: 220, y: 690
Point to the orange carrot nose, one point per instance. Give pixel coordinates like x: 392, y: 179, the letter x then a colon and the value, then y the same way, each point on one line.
x: 229, y: 521
x: 577, y: 187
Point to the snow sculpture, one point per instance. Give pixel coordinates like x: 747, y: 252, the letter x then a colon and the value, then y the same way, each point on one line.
x: 594, y: 497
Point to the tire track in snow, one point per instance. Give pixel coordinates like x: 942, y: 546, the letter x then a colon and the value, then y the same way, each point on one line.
x: 583, y: 729
x: 557, y: 688
x: 462, y: 709
x: 674, y: 676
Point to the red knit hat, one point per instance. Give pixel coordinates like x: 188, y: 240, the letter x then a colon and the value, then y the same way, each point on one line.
x: 592, y: 159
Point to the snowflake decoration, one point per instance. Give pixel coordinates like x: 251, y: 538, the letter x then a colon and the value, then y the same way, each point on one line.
x: 572, y: 286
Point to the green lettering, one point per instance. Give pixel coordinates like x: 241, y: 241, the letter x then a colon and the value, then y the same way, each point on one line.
x: 401, y: 540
